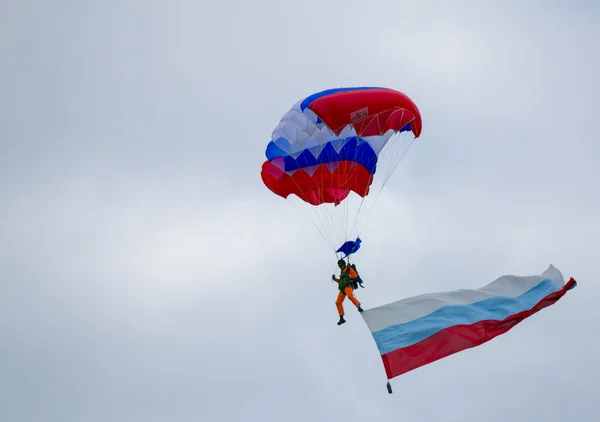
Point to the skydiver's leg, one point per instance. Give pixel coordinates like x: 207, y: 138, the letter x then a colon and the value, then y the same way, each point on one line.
x: 350, y: 294
x: 338, y: 303
x: 340, y: 307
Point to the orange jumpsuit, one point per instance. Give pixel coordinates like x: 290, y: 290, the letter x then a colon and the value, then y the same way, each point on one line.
x: 346, y: 289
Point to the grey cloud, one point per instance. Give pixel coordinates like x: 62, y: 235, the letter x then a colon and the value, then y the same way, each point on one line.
x: 146, y: 273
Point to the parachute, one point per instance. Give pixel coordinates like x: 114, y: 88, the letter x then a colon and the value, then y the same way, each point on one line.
x: 333, y: 152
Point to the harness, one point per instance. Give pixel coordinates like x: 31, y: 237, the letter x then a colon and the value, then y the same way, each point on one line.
x: 351, y: 272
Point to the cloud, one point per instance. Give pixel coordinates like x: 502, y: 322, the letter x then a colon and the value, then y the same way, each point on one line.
x: 146, y: 272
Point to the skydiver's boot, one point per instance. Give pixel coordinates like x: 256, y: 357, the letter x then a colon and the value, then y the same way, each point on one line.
x: 359, y: 308
x: 342, y: 320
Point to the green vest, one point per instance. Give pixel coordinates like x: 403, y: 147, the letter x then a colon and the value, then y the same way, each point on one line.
x: 345, y: 279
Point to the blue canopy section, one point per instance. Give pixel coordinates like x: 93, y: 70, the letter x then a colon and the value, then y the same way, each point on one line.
x: 350, y: 247
x: 354, y: 149
x: 311, y: 98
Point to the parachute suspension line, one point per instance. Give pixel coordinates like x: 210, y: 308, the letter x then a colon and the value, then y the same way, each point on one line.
x: 319, y: 217
x: 357, y: 217
x: 313, y: 223
x: 366, y: 200
x: 355, y: 224
x: 393, y: 152
x: 331, y: 211
x: 330, y: 216
x: 352, y: 231
x: 323, y: 229
x: 339, y: 214
x: 354, y: 201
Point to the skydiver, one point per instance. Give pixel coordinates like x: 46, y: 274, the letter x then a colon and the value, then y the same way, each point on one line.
x: 346, y: 284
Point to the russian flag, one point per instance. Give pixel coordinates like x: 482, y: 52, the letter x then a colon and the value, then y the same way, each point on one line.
x: 420, y: 330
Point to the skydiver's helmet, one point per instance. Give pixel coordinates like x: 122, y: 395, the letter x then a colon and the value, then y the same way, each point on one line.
x: 341, y: 263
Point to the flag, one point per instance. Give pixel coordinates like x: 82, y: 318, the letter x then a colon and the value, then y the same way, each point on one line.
x: 419, y: 330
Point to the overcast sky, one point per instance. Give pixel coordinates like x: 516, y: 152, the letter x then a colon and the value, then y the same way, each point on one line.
x: 147, y: 274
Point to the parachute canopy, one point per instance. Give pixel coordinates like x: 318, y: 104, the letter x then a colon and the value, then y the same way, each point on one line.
x: 326, y: 150
x: 420, y: 330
